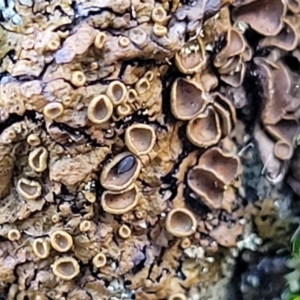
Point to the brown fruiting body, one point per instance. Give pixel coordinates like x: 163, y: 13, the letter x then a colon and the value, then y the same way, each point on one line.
x: 65, y: 268
x: 180, y: 222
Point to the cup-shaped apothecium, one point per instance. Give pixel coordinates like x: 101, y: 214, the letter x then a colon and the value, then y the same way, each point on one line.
x: 29, y: 189
x: 124, y: 41
x: 206, y: 185
x: 149, y: 75
x: 120, y: 172
x: 78, y: 78
x: 142, y: 86
x: 266, y: 22
x: 180, y: 222
x: 100, y: 109
x: 53, y: 110
x: 224, y: 165
x: 37, y: 159
x: 191, y: 58
x: 177, y: 296
x: 123, y: 110
x: 204, y: 130
x: 124, y: 231
x: 99, y: 260
x: 85, y: 226
x: 66, y: 268
x: 119, y: 202
x: 100, y: 40
x: 14, y: 235
x: 235, y: 45
x: 186, y: 99
x: 116, y: 92
x: 283, y: 150
x: 160, y: 30
x: 226, y: 113
x: 33, y: 140
x: 159, y: 15
x: 61, y: 241
x: 41, y: 248
x: 140, y: 138
x: 185, y: 243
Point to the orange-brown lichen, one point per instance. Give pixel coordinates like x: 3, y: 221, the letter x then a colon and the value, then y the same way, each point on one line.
x: 226, y: 236
x: 6, y: 169
x: 72, y: 170
x: 76, y: 44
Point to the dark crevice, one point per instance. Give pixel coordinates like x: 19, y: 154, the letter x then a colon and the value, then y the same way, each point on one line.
x: 167, y: 82
x: 170, y: 180
x: 5, y: 76
x: 13, y: 118
x: 160, y: 276
x: 1, y: 17
x: 75, y: 132
x: 12, y: 55
x: 250, y: 114
x: 138, y: 267
x: 292, y: 62
x: 179, y: 272
x: 253, y: 38
x: 194, y: 202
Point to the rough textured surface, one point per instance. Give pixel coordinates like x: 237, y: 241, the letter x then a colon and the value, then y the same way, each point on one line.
x: 131, y: 140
